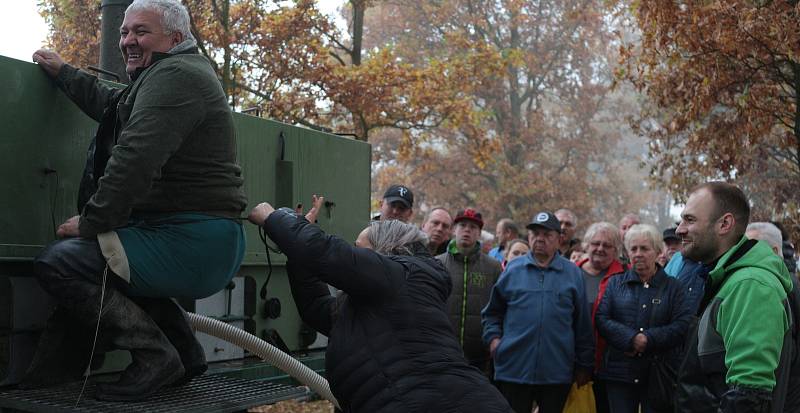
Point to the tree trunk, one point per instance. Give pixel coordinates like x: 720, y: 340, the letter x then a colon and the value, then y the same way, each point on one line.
x: 796, y: 69
x: 359, y: 7
x: 227, y: 76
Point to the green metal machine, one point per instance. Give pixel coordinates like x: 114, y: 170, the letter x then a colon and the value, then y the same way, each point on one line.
x: 43, y: 143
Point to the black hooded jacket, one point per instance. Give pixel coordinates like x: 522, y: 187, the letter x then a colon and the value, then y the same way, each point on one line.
x: 391, y: 347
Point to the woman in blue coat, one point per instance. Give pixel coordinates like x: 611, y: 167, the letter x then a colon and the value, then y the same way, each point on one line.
x: 643, y: 317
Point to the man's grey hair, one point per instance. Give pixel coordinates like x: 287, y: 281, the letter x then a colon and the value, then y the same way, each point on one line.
x: 394, y: 237
x: 174, y: 16
x: 648, y: 231
x: 767, y: 232
x: 608, y: 229
x: 568, y: 212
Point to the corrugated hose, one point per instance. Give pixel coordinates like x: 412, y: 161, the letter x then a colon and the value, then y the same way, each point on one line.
x: 266, y: 351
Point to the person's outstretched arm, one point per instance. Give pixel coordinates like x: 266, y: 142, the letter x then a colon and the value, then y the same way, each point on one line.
x: 360, y: 272
x: 85, y: 90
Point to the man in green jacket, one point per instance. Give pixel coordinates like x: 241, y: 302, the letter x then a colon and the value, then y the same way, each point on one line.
x: 737, y: 355
x: 158, y: 204
x: 473, y: 274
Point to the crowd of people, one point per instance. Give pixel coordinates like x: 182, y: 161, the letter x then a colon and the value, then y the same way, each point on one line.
x: 699, y: 317
x: 620, y: 307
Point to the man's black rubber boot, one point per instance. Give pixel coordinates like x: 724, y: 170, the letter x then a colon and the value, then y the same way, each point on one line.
x: 62, y: 354
x: 155, y: 361
x: 172, y: 320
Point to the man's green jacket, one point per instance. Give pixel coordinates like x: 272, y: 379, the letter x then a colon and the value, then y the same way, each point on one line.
x: 741, y: 335
x: 168, y: 139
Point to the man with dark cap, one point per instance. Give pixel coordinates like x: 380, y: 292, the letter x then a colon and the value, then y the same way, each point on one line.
x: 473, y: 274
x: 672, y: 245
x: 397, y: 203
x: 538, y: 324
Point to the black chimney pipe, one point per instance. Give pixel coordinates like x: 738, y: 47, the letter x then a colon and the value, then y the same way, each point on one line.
x: 112, y: 13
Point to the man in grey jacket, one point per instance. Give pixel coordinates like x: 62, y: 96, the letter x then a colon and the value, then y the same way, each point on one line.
x: 158, y: 204
x: 473, y: 274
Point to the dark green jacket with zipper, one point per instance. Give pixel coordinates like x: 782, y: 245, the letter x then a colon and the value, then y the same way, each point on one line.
x: 473, y: 276
x: 166, y: 143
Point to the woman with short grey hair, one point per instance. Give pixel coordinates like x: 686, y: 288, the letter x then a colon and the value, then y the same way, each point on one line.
x: 643, y: 317
x: 393, y: 237
x: 648, y: 233
x: 603, y: 246
x: 391, y: 346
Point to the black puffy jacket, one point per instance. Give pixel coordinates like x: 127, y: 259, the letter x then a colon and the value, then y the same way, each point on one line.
x: 391, y: 347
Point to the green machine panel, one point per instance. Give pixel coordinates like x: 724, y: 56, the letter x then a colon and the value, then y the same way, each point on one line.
x: 43, y: 143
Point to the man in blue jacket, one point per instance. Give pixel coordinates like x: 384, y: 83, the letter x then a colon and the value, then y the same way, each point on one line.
x: 538, y: 324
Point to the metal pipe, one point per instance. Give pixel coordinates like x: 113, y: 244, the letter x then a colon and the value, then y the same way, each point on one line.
x: 112, y: 13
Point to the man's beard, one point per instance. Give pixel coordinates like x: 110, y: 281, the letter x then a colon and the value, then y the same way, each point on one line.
x: 702, y: 249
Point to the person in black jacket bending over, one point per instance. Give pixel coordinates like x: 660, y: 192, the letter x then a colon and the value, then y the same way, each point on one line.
x: 391, y: 347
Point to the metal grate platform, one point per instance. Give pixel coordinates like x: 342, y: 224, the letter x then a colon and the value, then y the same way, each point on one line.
x: 208, y: 393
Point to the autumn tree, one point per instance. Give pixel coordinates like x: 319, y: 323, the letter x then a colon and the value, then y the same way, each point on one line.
x: 723, y: 79
x: 75, y: 29
x: 286, y: 59
x: 501, y: 105
x: 545, y: 128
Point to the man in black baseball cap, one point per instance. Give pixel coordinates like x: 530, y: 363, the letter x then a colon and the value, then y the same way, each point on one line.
x: 672, y: 243
x: 545, y: 220
x: 397, y: 203
x: 544, y: 237
x: 539, y: 306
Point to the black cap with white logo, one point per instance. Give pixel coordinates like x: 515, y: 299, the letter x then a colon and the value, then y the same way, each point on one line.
x: 545, y: 220
x: 399, y: 193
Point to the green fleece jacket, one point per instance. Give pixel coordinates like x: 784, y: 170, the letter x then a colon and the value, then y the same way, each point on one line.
x: 751, y: 318
x: 174, y: 146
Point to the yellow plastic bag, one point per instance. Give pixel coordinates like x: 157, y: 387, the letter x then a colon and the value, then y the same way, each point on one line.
x: 580, y: 399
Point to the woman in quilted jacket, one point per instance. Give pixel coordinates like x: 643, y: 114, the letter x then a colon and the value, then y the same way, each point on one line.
x: 643, y: 318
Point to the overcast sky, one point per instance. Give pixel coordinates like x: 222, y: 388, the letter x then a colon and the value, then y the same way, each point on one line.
x: 22, y: 29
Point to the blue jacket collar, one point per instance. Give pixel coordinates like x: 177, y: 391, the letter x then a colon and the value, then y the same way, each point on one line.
x: 658, y: 279
x: 557, y: 263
